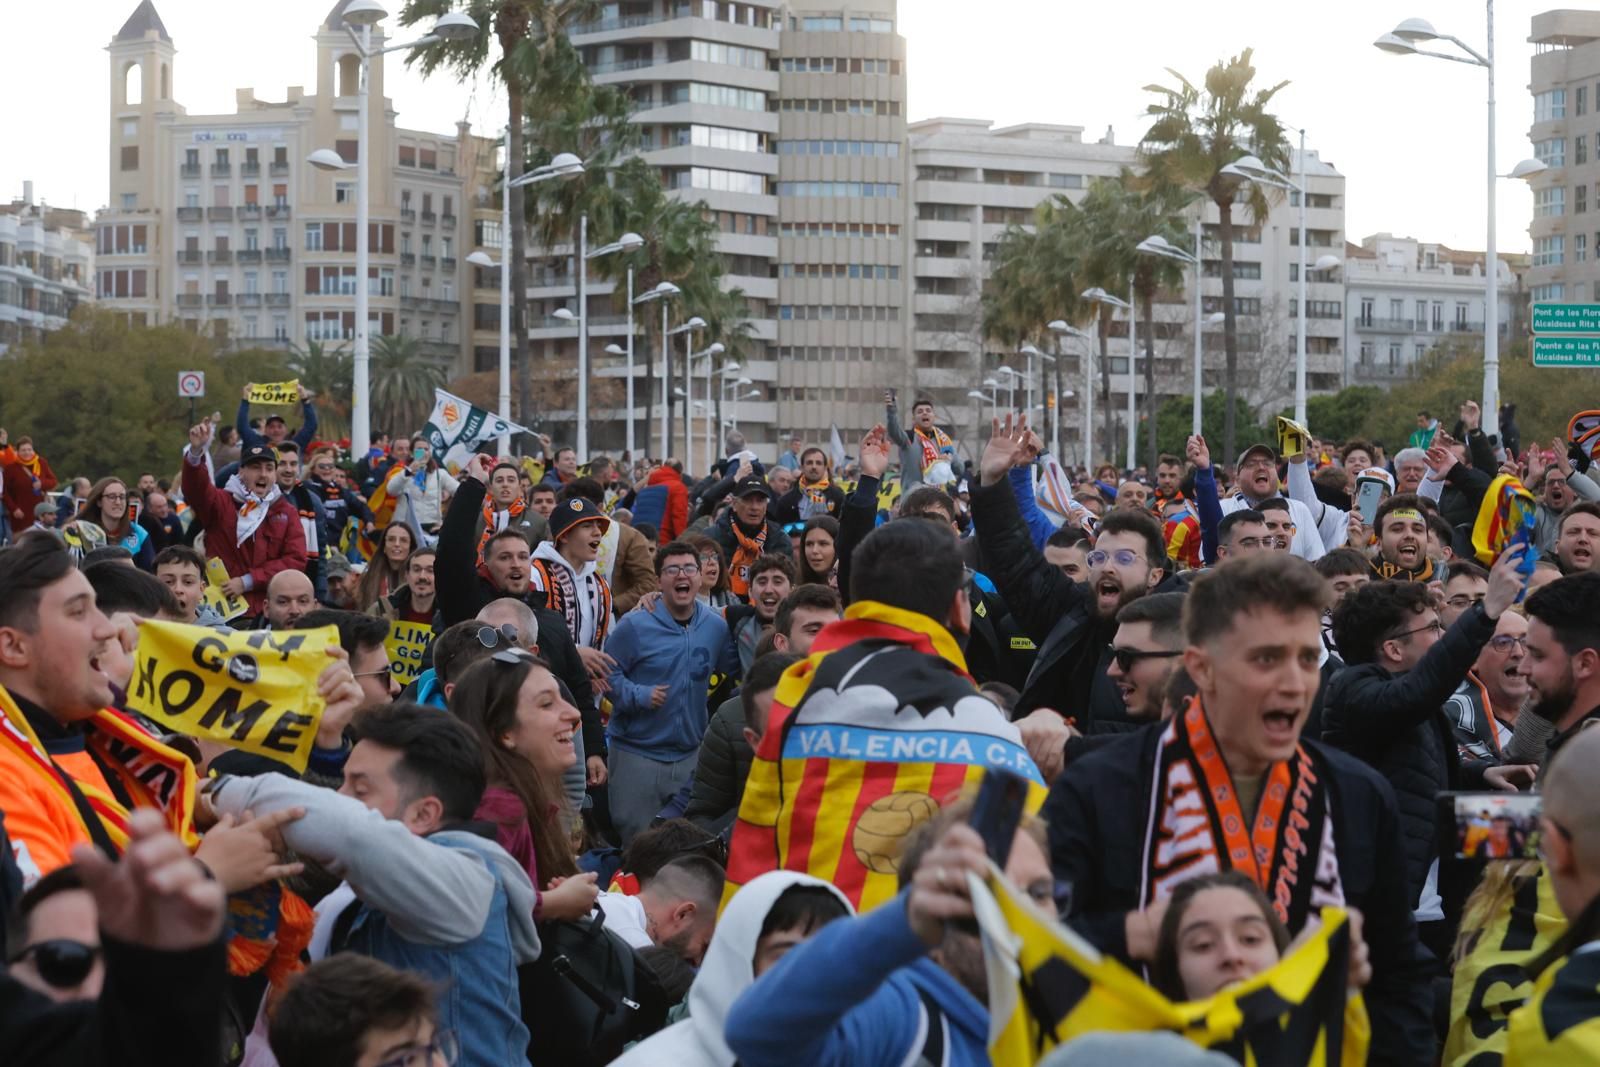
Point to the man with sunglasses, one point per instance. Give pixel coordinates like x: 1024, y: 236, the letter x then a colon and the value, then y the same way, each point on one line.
x: 54, y: 938
x: 339, y: 504
x: 1386, y: 708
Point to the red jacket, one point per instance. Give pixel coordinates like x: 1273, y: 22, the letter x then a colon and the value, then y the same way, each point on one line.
x: 279, y: 543
x: 675, y: 519
x: 18, y: 493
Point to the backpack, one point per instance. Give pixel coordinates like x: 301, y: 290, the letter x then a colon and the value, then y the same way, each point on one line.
x: 587, y: 996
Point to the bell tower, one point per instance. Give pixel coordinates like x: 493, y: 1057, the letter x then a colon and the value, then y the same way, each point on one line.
x: 141, y: 89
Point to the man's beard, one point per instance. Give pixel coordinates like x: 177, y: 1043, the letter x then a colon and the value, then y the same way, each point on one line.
x: 1553, y: 705
x: 961, y: 957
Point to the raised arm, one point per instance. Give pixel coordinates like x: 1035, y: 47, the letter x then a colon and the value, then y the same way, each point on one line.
x: 456, y: 563
x: 248, y: 438
x: 308, y: 424
x: 1039, y: 526
x: 1207, y: 506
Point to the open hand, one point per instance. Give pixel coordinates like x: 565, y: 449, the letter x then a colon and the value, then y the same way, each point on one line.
x: 1441, y: 461
x: 244, y: 854
x: 569, y: 898
x: 873, y: 455
x: 1505, y: 582
x: 341, y: 694
x: 155, y: 896
x: 1007, y: 447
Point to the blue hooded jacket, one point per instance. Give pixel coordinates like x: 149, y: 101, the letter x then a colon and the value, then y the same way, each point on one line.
x: 652, y: 648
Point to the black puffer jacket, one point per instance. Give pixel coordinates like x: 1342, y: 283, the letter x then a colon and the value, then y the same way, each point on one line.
x: 721, y: 771
x: 1397, y: 724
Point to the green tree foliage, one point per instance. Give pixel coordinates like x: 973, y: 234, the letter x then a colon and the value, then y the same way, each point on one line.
x: 325, y: 371
x: 101, y: 397
x: 402, y: 380
x: 1176, y: 420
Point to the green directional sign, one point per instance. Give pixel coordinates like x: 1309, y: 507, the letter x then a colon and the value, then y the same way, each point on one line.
x: 1567, y: 318
x: 1566, y: 351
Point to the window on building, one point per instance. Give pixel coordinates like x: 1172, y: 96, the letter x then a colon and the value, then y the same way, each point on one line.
x: 822, y: 24
x: 1580, y: 100
x: 408, y: 155
x: 280, y: 196
x: 344, y: 192
x: 280, y: 239
x: 348, y: 149
x: 1580, y: 150
x: 1549, y: 202
x: 313, y: 237
x: 1549, y: 251
x: 1580, y: 199
x: 130, y: 157
x: 130, y: 201
x: 1550, y: 105
x: 1552, y: 152
x: 1580, y: 248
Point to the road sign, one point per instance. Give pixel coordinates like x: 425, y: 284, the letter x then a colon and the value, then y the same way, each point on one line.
x: 1566, y: 351
x: 1566, y: 319
x: 191, y: 383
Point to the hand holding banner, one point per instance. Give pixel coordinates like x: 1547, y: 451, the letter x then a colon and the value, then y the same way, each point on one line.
x: 406, y: 644
x: 275, y: 392
x: 253, y: 690
x: 215, y: 597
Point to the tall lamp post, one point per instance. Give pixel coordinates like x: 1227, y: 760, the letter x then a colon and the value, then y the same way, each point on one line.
x: 626, y: 243
x: 1156, y: 245
x: 732, y: 396
x: 451, y: 26
x: 663, y: 292
x: 565, y: 165
x: 1403, y: 40
x: 695, y: 323
x: 1061, y: 328
x: 1098, y: 296
x: 709, y: 354
x: 1252, y: 169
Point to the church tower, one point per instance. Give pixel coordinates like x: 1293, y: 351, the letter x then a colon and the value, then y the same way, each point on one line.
x: 141, y: 90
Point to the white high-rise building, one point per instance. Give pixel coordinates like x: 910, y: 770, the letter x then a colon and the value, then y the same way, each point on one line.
x: 46, y: 268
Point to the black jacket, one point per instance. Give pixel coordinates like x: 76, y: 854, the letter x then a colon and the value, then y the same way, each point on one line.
x: 1097, y: 813
x: 463, y: 592
x: 776, y: 544
x: 1074, y: 647
x: 1396, y: 723
x: 787, y: 507
x: 720, y: 773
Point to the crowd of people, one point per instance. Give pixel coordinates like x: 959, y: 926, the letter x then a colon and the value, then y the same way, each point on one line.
x: 682, y: 773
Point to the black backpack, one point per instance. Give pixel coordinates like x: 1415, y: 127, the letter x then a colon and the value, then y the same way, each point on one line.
x: 587, y: 995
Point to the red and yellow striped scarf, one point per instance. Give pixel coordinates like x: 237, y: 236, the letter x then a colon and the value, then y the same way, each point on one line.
x: 150, y: 773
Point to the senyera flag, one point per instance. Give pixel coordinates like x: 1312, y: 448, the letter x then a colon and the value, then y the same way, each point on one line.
x: 866, y: 739
x: 1506, y: 518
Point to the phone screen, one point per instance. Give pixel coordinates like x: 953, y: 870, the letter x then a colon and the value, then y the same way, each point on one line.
x: 997, y: 812
x: 1491, y: 826
x: 1368, y: 497
x: 419, y: 454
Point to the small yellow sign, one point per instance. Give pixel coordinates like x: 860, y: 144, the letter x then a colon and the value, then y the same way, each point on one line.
x: 1293, y: 439
x: 406, y: 644
x: 229, y: 607
x: 275, y: 392
x: 254, y: 690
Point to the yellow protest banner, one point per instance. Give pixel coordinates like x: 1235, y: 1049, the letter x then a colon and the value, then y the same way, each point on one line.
x: 275, y: 392
x: 406, y: 643
x: 254, y: 690
x: 1293, y: 438
x: 230, y: 607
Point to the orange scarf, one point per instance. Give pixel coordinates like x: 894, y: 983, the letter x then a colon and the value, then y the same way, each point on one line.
x: 750, y: 548
x: 492, y: 523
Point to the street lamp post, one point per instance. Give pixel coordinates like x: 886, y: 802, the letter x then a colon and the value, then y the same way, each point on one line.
x: 1095, y: 297
x: 710, y: 355
x: 663, y: 292
x: 1403, y: 40
x: 626, y: 243
x: 695, y: 323
x: 1156, y: 245
x: 451, y: 26
x: 564, y: 165
x: 733, y: 396
x: 1252, y: 169
x: 1061, y: 328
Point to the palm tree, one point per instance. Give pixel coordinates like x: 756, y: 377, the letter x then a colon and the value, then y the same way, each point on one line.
x: 1196, y: 133
x: 678, y: 240
x: 727, y: 316
x: 529, y: 32
x: 403, y: 383
x: 325, y: 371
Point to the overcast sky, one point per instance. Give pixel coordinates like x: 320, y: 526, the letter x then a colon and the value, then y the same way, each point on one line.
x: 1407, y: 132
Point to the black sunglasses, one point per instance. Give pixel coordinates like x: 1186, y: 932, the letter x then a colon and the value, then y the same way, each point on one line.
x: 495, y: 636
x: 512, y: 656
x: 62, y: 963
x: 1127, y: 657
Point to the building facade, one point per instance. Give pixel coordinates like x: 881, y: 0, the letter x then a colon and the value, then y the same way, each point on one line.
x: 46, y: 268
x: 1565, y: 229
x: 1404, y: 297
x: 219, y: 223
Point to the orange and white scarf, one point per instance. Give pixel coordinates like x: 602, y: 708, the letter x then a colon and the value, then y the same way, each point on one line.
x: 1196, y: 825
x: 495, y: 520
x: 749, y: 550
x: 253, y: 507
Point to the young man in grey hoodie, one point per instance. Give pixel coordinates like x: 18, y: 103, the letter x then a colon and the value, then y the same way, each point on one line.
x: 423, y: 890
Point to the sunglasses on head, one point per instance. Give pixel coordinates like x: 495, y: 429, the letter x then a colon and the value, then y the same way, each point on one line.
x: 62, y: 963
x: 495, y: 636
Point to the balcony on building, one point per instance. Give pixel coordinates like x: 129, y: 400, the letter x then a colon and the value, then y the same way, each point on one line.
x: 219, y: 214
x: 190, y: 300
x: 447, y: 262
x: 408, y: 259
x: 249, y: 170
x: 278, y: 211
x: 220, y: 255
x: 191, y: 214
x: 249, y: 300
x: 191, y: 256
x: 276, y: 255
x: 222, y: 170
x: 1377, y: 325
x: 249, y: 255
x: 447, y: 221
x: 249, y: 211
x: 429, y: 260
x: 277, y: 300
x: 278, y: 170
x: 429, y: 217
x: 408, y: 214
x: 219, y: 299
x: 189, y: 170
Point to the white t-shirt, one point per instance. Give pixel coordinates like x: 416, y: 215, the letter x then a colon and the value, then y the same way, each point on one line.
x: 625, y: 917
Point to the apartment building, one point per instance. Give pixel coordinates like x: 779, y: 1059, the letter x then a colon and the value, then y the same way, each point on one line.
x: 1565, y: 133
x: 46, y: 267
x: 1404, y: 297
x: 219, y: 223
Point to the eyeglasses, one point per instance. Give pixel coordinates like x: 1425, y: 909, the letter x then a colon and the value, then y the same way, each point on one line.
x: 495, y: 636
x: 372, y: 674
x: 444, y: 1046
x: 1503, y: 643
x: 1127, y: 657
x: 710, y: 559
x: 63, y: 964
x: 1123, y: 557
x: 115, y: 498
x: 1462, y: 601
x: 1433, y: 627
x: 688, y: 570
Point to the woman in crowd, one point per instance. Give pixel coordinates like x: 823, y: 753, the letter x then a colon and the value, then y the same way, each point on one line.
x: 107, y: 508
x: 713, y: 572
x: 1218, y: 930
x: 513, y: 703
x: 818, y: 558
x: 421, y: 489
x: 387, y: 570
